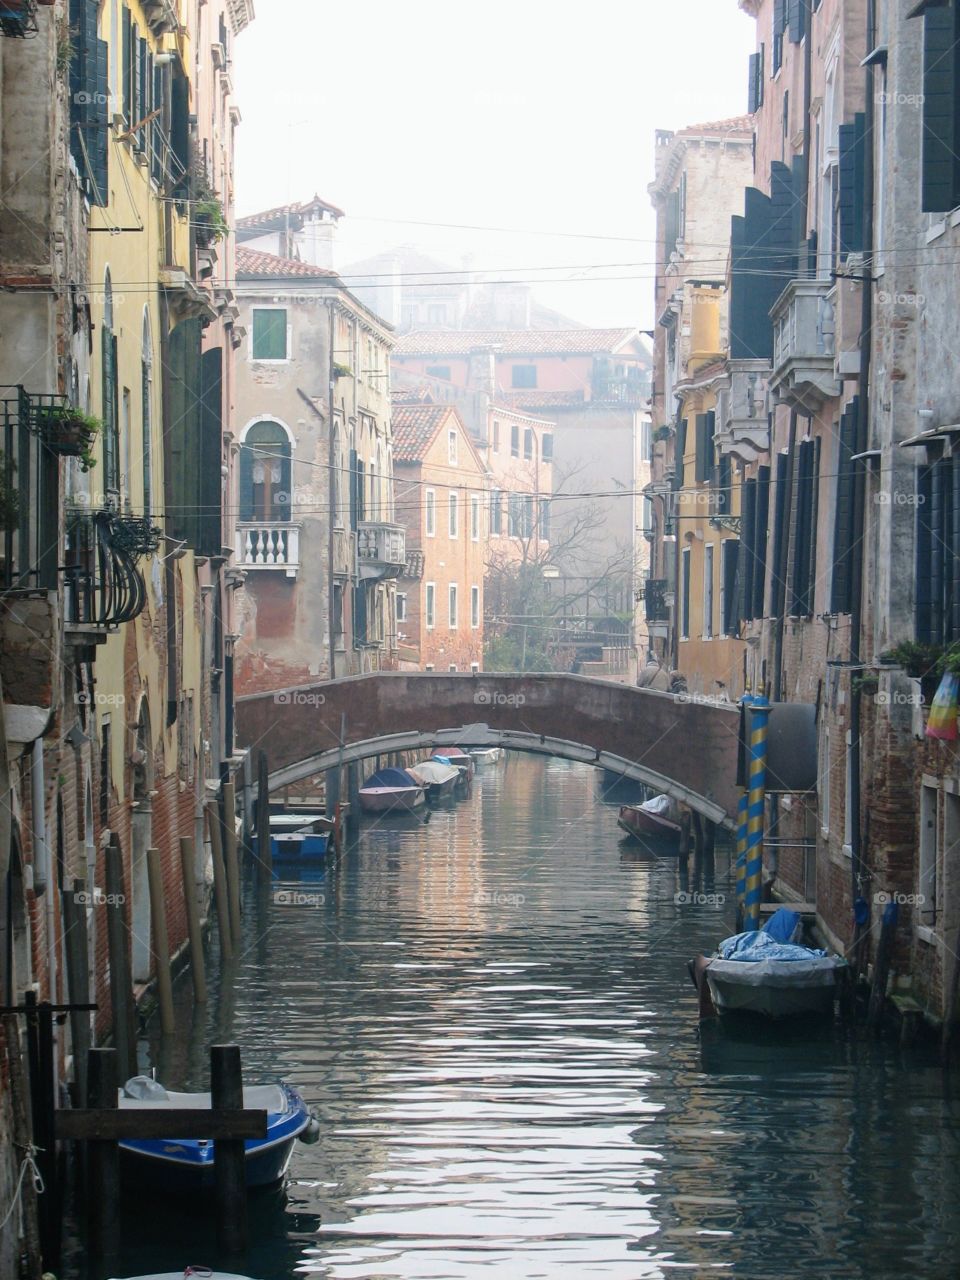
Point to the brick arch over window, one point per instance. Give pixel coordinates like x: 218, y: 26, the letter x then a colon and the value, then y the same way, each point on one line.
x: 266, y: 453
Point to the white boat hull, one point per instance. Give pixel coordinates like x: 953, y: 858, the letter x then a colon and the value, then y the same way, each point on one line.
x: 775, y: 989
x: 385, y: 799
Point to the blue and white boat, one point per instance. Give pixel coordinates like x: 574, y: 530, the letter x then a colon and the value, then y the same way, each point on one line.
x: 185, y: 1165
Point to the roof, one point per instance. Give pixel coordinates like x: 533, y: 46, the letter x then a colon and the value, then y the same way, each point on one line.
x: 733, y: 124
x: 543, y: 399
x: 276, y: 219
x: 415, y: 428
x: 436, y: 342
x: 251, y: 264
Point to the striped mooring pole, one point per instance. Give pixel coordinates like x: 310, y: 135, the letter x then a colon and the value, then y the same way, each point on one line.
x: 741, y: 862
x: 756, y: 785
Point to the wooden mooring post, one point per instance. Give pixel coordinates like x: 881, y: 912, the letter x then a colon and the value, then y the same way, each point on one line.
x: 228, y: 798
x: 161, y: 942
x: 220, y: 894
x: 226, y: 1094
x: 264, y: 859
x: 189, y: 876
x: 121, y: 980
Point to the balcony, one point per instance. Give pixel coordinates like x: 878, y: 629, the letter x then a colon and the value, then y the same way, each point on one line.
x: 18, y: 18
x: 161, y: 16
x: 344, y: 556
x: 744, y: 429
x: 103, y: 587
x: 381, y: 549
x: 655, y: 600
x: 630, y: 390
x: 804, y: 345
x: 30, y: 662
x: 269, y: 545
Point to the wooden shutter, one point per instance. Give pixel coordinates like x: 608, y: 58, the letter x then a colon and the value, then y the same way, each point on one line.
x: 125, y: 82
x: 803, y: 530
x: 211, y: 450
x: 795, y: 20
x: 701, y: 468
x: 98, y: 136
x: 136, y: 89
x: 723, y: 484
x: 939, y: 130
x: 761, y: 518
x: 685, y: 594
x: 952, y: 554
x: 748, y: 516
x: 778, y: 569
x: 359, y: 615
x: 179, y: 135
x: 246, y: 484
x: 680, y: 450
x: 753, y: 83
x: 354, y: 508
x: 729, y: 555
x: 671, y: 223
x: 108, y: 352
x: 852, y: 158
x: 841, y: 600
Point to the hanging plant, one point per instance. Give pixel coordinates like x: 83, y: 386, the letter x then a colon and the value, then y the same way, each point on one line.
x: 342, y: 370
x: 917, y: 659
x: 135, y: 535
x: 69, y: 432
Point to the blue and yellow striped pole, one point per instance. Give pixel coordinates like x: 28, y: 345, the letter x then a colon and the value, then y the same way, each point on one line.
x: 741, y: 863
x: 756, y: 785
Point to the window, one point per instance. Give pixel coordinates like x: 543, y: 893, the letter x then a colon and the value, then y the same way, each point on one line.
x: 940, y: 137
x: 708, y: 592
x: 269, y: 339
x: 496, y: 512
x: 452, y: 666
x: 848, y: 794
x: 755, y: 81
x: 430, y: 499
x: 109, y: 392
x: 703, y: 462
x: 265, y: 473
x: 452, y: 598
x: 524, y: 375
x: 545, y: 519
x: 339, y: 636
x: 526, y: 519
x: 428, y: 666
x: 475, y: 606
x: 514, y: 514
x: 475, y: 667
x: 685, y: 596
x: 441, y: 371
x: 430, y: 606
x: 528, y: 443
x: 452, y: 442
x: 779, y: 25
x: 927, y: 870
x: 546, y: 446
x: 495, y: 445
x: 514, y: 440
x: 805, y: 529
x: 729, y: 554
x: 475, y: 517
x: 453, y: 514
x: 841, y: 585
x: 401, y: 606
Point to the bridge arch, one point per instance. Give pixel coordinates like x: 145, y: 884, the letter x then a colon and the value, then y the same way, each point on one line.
x: 682, y: 746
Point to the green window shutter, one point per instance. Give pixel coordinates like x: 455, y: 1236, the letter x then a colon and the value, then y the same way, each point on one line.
x: 354, y: 508
x: 748, y: 518
x: 359, y: 615
x: 703, y: 466
x: 939, y: 130
x: 108, y: 402
x: 753, y: 81
x: 246, y: 483
x: 179, y: 135
x: 723, y: 484
x: 841, y: 600
x: 136, y: 87
x: 779, y: 569
x: 671, y: 223
x: 269, y: 334
x: 729, y: 557
x: 679, y: 451
x: 211, y: 452
x: 183, y: 428
x: 761, y: 518
x: 804, y: 530
x: 924, y: 596
x: 852, y: 161
x: 98, y: 137
x: 795, y: 20
x: 126, y: 105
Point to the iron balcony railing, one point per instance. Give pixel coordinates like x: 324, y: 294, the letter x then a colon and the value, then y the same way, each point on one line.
x: 102, y: 585
x: 18, y: 18
x: 655, y: 600
x: 29, y: 494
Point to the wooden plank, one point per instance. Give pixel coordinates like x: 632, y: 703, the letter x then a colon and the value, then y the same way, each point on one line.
x: 801, y: 908
x: 156, y: 1122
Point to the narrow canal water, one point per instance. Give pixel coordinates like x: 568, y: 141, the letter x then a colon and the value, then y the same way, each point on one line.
x: 492, y: 1017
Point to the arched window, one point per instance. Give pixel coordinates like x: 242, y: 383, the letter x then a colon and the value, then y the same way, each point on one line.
x: 108, y: 391
x: 146, y: 410
x: 265, y: 458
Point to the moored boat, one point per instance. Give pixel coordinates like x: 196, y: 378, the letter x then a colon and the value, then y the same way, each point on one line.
x: 654, y: 820
x: 765, y: 972
x: 485, y: 755
x: 391, y: 789
x: 185, y: 1165
x: 438, y: 778
x: 457, y: 757
x: 298, y: 838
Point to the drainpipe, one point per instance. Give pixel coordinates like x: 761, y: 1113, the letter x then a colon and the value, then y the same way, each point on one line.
x: 43, y: 876
x: 857, y: 863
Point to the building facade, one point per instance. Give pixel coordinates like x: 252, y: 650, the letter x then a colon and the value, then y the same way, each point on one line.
x: 442, y: 503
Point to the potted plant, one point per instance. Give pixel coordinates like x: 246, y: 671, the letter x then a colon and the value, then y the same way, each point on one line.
x: 206, y: 210
x: 69, y: 432
x: 663, y: 433
x: 868, y: 683
x: 342, y: 370
x: 919, y: 660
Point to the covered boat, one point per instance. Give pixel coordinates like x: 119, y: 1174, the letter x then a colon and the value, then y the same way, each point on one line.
x: 438, y: 778
x: 185, y: 1165
x: 769, y: 972
x: 390, y: 789
x: 457, y: 757
x: 485, y: 755
x: 655, y: 819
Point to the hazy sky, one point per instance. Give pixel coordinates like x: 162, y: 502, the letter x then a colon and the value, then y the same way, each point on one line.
x: 532, y: 117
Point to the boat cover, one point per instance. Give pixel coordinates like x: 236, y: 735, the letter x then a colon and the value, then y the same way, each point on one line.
x: 142, y: 1092
x: 760, y: 945
x: 434, y: 771
x: 784, y: 925
x: 391, y: 777
x: 816, y: 970
x: 662, y: 807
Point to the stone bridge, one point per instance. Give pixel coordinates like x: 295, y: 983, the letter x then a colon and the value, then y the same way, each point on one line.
x: 685, y: 747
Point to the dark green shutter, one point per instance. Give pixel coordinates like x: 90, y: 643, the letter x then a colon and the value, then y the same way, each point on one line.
x: 125, y: 67
x: 680, y: 450
x: 359, y: 615
x: 939, y: 131
x: 852, y: 161
x: 354, y: 512
x: 183, y: 425
x: 841, y: 600
x: 269, y: 334
x: 685, y: 594
x: 748, y: 518
x: 804, y: 530
x: 211, y: 429
x: 723, y: 484
x: 778, y: 571
x: 795, y: 20
x: 753, y: 82
x: 136, y: 89
x: 671, y: 223
x: 730, y: 550
x: 246, y: 483
x: 108, y: 398
x: 180, y: 138
x: 705, y: 425
x: 98, y: 136
x: 761, y: 519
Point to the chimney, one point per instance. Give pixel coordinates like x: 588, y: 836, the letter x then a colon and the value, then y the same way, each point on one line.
x: 318, y: 238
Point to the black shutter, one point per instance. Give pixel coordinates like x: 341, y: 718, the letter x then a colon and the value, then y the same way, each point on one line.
x: 680, y: 450
x: 803, y: 531
x: 753, y: 83
x: 761, y: 520
x: 778, y: 568
x: 748, y: 518
x: 925, y: 535
x: 98, y: 136
x: 729, y: 553
x: 939, y: 134
x: 179, y: 134
x: 841, y: 600
x: 723, y: 484
x: 354, y: 505
x: 852, y: 157
x: 795, y: 20
x: 211, y: 488
x: 125, y: 47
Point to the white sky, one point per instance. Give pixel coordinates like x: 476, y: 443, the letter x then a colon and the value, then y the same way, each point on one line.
x: 528, y: 115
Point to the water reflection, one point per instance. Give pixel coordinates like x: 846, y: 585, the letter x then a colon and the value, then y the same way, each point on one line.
x: 491, y: 1014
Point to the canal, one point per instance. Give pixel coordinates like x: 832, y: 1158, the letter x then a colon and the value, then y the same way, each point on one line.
x: 491, y: 1015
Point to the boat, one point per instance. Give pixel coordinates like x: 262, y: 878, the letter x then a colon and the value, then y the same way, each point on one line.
x: 458, y: 758
x: 767, y: 972
x: 298, y: 838
x: 185, y: 1165
x: 391, y: 789
x: 485, y: 755
x: 438, y: 778
x: 191, y: 1273
x: 655, y: 819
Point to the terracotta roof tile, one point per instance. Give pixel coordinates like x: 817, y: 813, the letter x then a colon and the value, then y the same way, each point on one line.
x: 514, y: 341
x: 262, y: 220
x: 415, y: 427
x: 541, y: 399
x: 733, y: 124
x: 252, y: 264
